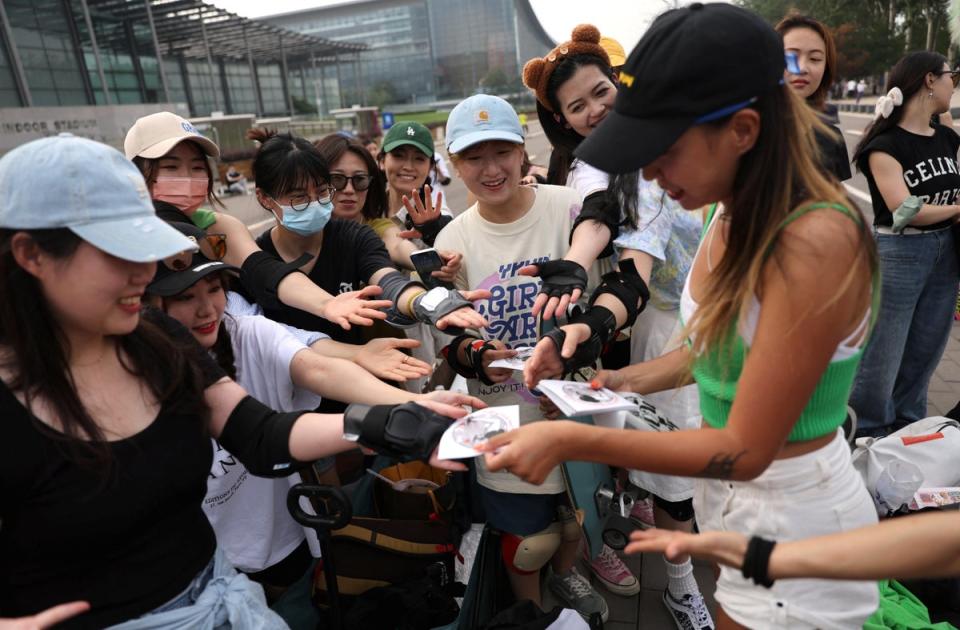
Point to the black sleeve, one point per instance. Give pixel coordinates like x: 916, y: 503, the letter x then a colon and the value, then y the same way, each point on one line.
x: 600, y: 207
x: 953, y: 138
x: 211, y: 371
x: 833, y: 154
x: 371, y: 254
x: 885, y: 143
x: 261, y: 274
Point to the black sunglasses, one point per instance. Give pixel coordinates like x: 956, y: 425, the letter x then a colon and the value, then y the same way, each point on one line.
x: 360, y: 182
x: 954, y: 75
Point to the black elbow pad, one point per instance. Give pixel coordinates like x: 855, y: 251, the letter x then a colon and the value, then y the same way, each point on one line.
x: 261, y: 274
x: 260, y: 438
x: 600, y: 207
x: 628, y: 287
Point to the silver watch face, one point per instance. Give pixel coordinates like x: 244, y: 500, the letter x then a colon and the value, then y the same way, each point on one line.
x: 431, y: 300
x: 351, y: 437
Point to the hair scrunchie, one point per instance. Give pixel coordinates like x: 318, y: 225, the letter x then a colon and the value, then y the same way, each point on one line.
x: 885, y: 104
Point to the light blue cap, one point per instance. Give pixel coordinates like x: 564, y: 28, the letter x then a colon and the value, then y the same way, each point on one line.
x: 480, y: 118
x: 69, y: 182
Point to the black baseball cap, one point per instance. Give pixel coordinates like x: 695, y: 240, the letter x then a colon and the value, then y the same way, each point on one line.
x: 693, y: 65
x: 167, y: 282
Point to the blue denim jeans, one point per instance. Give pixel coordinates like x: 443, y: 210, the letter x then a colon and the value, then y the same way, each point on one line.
x: 919, y: 276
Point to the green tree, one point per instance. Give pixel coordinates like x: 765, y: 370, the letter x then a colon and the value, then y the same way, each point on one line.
x: 495, y: 80
x: 871, y: 34
x: 382, y: 93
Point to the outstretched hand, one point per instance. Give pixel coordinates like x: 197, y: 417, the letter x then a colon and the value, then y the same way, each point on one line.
x: 466, y: 317
x: 46, y: 619
x: 531, y: 451
x: 727, y: 548
x: 384, y: 358
x: 546, y: 362
x: 563, y: 284
x: 419, y: 212
x: 355, y: 307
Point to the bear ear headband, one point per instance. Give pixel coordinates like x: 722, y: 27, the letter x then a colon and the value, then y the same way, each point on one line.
x: 536, y: 72
x: 885, y: 104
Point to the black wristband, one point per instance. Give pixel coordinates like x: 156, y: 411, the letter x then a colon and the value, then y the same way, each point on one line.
x: 450, y: 354
x: 756, y: 561
x: 407, y: 430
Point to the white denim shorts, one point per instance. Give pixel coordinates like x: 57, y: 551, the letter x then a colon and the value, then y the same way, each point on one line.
x: 799, y: 497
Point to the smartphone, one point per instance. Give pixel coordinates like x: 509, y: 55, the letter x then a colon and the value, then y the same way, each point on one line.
x: 426, y: 261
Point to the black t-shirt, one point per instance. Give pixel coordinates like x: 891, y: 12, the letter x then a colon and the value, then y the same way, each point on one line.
x: 349, y: 254
x: 833, y: 153
x: 127, y: 540
x: 930, y: 169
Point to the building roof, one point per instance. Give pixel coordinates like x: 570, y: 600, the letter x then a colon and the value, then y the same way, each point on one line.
x: 180, y: 26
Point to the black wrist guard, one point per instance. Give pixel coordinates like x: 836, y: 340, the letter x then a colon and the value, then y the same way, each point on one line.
x: 437, y: 303
x: 474, y: 353
x: 408, y: 430
x: 628, y: 287
x: 261, y: 274
x: 561, y: 277
x: 603, y: 327
x: 393, y: 285
x: 756, y: 561
x: 453, y: 358
x: 430, y: 229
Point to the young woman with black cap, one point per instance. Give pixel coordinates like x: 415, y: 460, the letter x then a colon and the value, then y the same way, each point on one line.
x: 910, y: 164
x: 172, y: 155
x: 815, y: 56
x: 249, y: 514
x: 108, y: 412
x: 777, y: 308
x: 575, y: 92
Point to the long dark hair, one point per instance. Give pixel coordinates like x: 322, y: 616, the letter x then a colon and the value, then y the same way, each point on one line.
x: 779, y: 174
x: 796, y: 20
x: 222, y: 349
x: 284, y: 162
x: 622, y: 189
x: 38, y: 357
x: 910, y: 75
x: 332, y: 149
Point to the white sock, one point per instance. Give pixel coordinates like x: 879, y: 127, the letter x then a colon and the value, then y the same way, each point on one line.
x: 680, y: 578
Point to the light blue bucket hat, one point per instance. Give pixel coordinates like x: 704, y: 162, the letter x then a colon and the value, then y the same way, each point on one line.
x: 69, y: 182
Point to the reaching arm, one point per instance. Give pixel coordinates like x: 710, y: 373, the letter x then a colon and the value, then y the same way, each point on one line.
x: 919, y: 546
x: 888, y: 175
x: 343, y: 380
x: 802, y: 319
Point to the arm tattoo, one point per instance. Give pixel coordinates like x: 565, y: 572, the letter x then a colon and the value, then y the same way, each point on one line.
x: 721, y: 466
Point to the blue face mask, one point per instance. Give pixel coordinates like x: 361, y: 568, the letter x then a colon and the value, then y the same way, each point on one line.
x: 308, y: 221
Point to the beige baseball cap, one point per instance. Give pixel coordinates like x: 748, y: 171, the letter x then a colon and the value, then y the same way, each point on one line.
x: 153, y: 136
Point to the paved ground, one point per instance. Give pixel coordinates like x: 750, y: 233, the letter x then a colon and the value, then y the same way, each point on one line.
x: 646, y: 611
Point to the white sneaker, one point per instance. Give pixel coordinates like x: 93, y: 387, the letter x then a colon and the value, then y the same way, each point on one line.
x: 575, y: 592
x: 690, y: 612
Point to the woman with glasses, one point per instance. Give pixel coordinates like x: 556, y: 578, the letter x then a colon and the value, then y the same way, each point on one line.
x: 910, y: 164
x: 360, y: 196
x: 293, y: 184
x: 108, y: 409
x: 249, y: 514
x: 172, y: 156
x: 815, y: 54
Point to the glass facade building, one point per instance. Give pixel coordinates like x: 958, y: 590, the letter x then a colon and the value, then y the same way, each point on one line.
x: 426, y: 50
x: 117, y: 52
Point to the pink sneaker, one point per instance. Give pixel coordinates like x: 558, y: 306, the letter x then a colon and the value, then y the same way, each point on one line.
x: 642, y: 513
x: 614, y: 574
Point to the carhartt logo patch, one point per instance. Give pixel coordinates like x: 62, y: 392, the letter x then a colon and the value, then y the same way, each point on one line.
x: 482, y: 116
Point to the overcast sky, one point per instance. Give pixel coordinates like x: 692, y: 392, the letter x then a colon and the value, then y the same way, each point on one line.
x: 624, y: 20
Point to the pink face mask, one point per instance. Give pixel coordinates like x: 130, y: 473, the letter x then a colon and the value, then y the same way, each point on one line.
x: 186, y: 193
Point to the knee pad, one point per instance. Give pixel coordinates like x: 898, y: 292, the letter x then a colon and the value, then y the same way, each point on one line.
x: 569, y: 528
x: 678, y: 510
x: 527, y: 554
